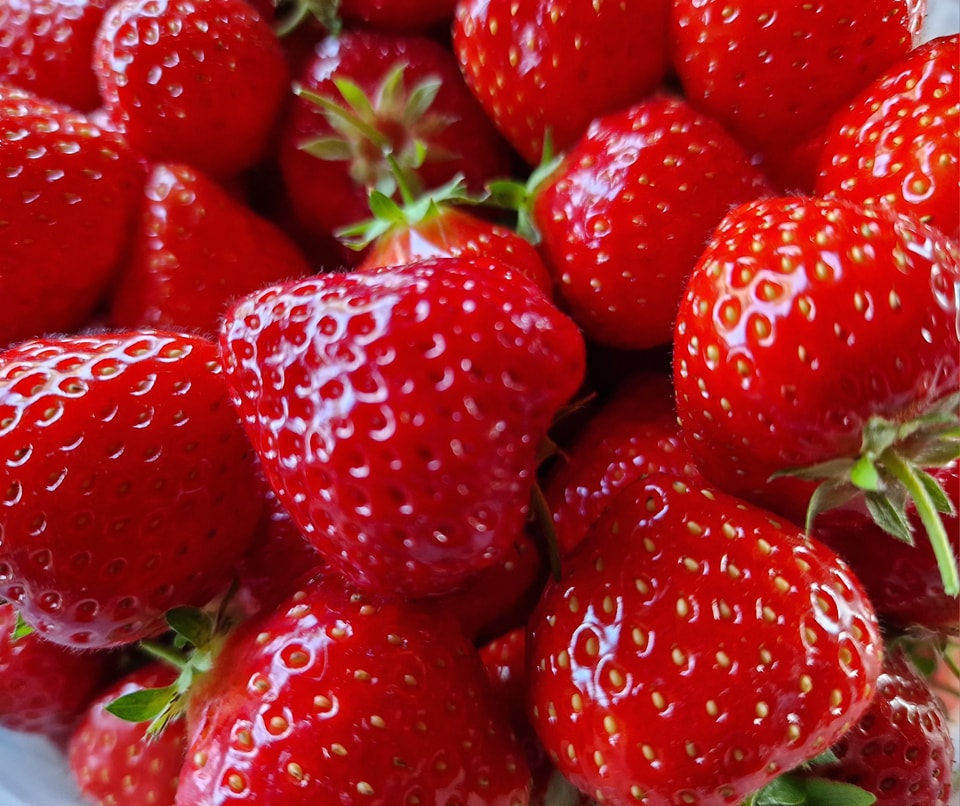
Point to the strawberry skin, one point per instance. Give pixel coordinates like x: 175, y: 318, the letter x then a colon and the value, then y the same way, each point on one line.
x: 344, y: 698
x: 372, y: 396
x: 129, y: 486
x: 694, y: 648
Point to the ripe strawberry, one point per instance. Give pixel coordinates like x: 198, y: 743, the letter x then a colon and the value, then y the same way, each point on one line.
x: 554, y: 65
x: 44, y: 688
x: 366, y: 96
x: 46, y: 47
x: 194, y: 81
x: 772, y: 74
x: 68, y: 197
x: 114, y: 762
x: 400, y: 16
x: 344, y: 698
x: 195, y: 250
x: 896, y: 142
x: 128, y: 485
x: 624, y: 216
x: 814, y: 333
x: 694, y: 648
x: 634, y: 433
x: 398, y: 413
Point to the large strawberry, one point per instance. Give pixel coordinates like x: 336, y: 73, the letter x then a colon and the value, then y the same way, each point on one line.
x: 695, y: 648
x: 551, y: 66
x: 398, y: 412
x: 820, y: 337
x: 128, y: 485
x: 897, y: 142
x: 68, y: 194
x: 344, y: 698
x: 195, y: 81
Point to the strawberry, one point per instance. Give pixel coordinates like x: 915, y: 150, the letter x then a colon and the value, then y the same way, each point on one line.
x: 819, y: 338
x: 195, y: 250
x: 896, y: 142
x: 366, y: 97
x: 44, y: 688
x: 372, y: 396
x: 46, y: 47
x: 113, y: 761
x: 624, y: 216
x: 128, y: 484
x: 340, y: 697
x: 552, y: 66
x: 694, y: 648
x: 194, y: 81
x: 399, y: 16
x: 634, y: 433
x: 772, y: 74
x: 68, y: 194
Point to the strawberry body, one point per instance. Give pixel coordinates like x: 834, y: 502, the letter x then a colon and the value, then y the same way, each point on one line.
x: 694, y: 648
x: 348, y: 699
x: 624, y: 217
x: 896, y: 142
x: 400, y: 16
x: 129, y: 484
x: 397, y: 413
x: 197, y: 82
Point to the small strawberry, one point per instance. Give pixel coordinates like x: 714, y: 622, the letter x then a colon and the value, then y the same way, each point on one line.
x: 552, y: 66
x: 896, y: 142
x: 114, y: 761
x: 397, y: 413
x: 194, y: 81
x: 196, y: 250
x: 127, y: 485
x: 694, y: 648
x: 68, y: 195
x: 340, y: 697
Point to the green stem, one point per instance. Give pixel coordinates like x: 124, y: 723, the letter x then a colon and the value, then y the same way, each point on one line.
x: 927, y: 510
x: 164, y: 653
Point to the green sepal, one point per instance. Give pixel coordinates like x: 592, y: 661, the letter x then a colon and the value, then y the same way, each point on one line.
x: 143, y: 705
x: 889, y: 517
x: 801, y: 790
x: 191, y: 625
x: 21, y: 629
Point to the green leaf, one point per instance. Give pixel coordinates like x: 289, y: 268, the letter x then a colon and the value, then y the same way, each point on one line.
x: 889, y: 517
x: 864, y: 475
x: 143, y: 705
x: 825, y: 758
x: 21, y: 629
x: 830, y: 494
x: 878, y: 435
x: 824, y: 792
x: 333, y: 149
x: 356, y: 98
x: 385, y: 208
x: 786, y: 790
x: 191, y: 623
x: 835, y: 469
x: 422, y: 97
x: 390, y: 90
x: 938, y: 496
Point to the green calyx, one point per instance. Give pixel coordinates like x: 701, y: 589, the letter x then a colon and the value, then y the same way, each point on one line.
x: 890, y: 472
x: 291, y: 14
x: 20, y: 629
x: 801, y: 790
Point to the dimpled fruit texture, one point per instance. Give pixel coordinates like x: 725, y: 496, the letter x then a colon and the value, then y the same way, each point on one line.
x: 398, y: 413
x: 127, y: 485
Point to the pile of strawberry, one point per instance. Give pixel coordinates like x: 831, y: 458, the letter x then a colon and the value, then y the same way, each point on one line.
x: 480, y: 402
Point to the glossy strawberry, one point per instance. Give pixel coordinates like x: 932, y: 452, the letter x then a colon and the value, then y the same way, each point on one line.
x: 44, y: 688
x: 370, y: 396
x: 896, y: 142
x: 344, y: 698
x: 68, y: 197
x: 113, y: 761
x: 402, y: 16
x: 128, y: 484
x: 46, y: 47
x: 624, y: 216
x: 194, y: 81
x: 555, y: 65
x: 196, y: 250
x: 694, y: 648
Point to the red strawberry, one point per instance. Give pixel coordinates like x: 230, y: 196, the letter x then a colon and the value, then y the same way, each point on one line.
x: 555, y: 65
x: 398, y: 413
x: 68, y: 197
x: 633, y: 434
x: 44, y: 688
x: 694, y: 648
x: 114, y: 762
x: 46, y: 47
x: 128, y: 484
x: 194, y: 81
x: 896, y: 142
x: 814, y: 333
x: 624, y: 217
x: 367, y: 96
x: 344, y: 698
x: 196, y: 250
x: 405, y: 16
x: 772, y: 73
